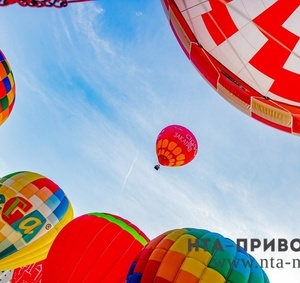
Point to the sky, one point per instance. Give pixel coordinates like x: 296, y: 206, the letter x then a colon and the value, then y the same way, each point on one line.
x: 96, y: 83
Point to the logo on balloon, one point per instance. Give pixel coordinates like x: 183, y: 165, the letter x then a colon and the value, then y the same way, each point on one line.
x: 48, y: 226
x: 188, y: 141
x: 14, y: 212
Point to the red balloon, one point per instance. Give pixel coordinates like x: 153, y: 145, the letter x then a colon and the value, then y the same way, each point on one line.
x: 95, y: 247
x: 30, y: 274
x: 250, y: 59
x: 175, y: 146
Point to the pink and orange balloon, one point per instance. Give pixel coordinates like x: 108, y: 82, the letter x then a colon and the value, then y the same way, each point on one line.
x: 175, y: 146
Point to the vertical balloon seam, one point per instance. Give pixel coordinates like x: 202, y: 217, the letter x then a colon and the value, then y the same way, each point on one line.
x: 119, y: 259
x: 87, y: 249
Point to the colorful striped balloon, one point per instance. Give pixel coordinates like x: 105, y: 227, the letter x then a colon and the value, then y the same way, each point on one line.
x: 33, y: 209
x: 194, y: 255
x: 95, y: 247
x: 7, y: 89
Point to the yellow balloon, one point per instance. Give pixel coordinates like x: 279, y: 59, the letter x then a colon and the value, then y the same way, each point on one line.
x: 33, y: 209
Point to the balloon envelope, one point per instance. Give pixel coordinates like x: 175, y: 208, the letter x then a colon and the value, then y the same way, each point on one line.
x: 248, y: 52
x: 95, y: 247
x: 7, y: 89
x: 33, y: 209
x: 176, y: 146
x: 194, y: 255
x: 30, y: 273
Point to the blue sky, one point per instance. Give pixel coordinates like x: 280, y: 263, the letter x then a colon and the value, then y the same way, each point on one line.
x: 96, y: 82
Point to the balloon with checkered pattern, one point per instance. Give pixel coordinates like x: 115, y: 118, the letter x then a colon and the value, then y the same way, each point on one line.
x: 33, y: 209
x: 194, y: 255
x: 249, y: 53
x: 7, y: 89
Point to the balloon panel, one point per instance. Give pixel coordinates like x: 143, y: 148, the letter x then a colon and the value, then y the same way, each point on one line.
x: 176, y: 146
x: 248, y: 53
x: 32, y: 211
x: 30, y: 274
x: 7, y: 89
x: 95, y: 247
x: 190, y: 255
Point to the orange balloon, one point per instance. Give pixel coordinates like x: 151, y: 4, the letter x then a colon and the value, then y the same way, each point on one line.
x: 175, y: 146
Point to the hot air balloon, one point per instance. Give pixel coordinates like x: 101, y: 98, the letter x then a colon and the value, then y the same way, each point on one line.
x: 7, y: 89
x: 95, y: 247
x: 194, y: 255
x: 175, y: 146
x: 30, y: 273
x: 33, y: 209
x: 248, y: 53
x: 40, y: 3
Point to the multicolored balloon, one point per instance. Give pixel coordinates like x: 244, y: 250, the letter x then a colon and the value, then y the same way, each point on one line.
x: 95, y: 247
x: 32, y: 273
x: 248, y: 53
x: 194, y: 255
x: 40, y: 3
x: 7, y: 89
x: 33, y: 209
x: 175, y: 146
